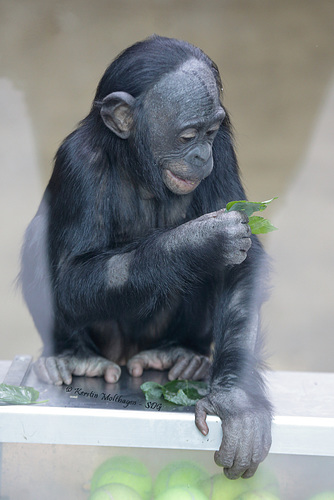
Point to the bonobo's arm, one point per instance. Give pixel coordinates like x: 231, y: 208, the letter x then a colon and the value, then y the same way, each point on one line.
x: 95, y: 287
x: 237, y: 393
x: 100, y: 286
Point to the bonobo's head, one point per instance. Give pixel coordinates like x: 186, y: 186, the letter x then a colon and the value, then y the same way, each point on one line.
x: 181, y: 113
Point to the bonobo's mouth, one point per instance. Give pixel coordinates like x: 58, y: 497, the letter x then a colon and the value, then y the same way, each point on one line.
x: 178, y: 185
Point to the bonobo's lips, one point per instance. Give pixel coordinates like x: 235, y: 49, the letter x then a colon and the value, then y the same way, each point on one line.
x: 179, y: 185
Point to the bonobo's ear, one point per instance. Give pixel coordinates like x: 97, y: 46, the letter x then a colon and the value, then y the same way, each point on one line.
x: 117, y: 113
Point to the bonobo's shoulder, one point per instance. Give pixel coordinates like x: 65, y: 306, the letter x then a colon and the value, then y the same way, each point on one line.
x: 75, y: 147
x: 77, y: 157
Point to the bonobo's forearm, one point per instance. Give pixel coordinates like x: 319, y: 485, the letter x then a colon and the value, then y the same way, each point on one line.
x: 172, y: 261
x: 163, y: 265
x: 237, y: 328
x: 237, y: 390
x: 93, y: 287
x: 118, y: 267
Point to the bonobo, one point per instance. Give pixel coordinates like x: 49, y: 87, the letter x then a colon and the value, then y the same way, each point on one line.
x: 131, y: 258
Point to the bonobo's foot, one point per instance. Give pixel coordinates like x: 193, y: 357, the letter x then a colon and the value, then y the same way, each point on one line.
x: 246, y: 428
x: 58, y: 370
x: 182, y: 363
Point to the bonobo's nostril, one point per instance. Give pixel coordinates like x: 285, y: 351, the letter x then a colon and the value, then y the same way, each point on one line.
x: 199, y: 155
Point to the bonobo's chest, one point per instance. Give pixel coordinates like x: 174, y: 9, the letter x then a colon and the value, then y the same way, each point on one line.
x: 150, y: 214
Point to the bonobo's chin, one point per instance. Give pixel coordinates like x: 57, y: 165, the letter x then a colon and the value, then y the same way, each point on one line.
x: 178, y: 185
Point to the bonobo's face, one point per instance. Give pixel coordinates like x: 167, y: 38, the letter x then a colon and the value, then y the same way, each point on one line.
x: 184, y: 114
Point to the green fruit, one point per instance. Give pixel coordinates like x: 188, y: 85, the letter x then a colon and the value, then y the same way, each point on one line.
x: 182, y: 493
x: 257, y: 495
x: 124, y: 470
x: 325, y: 495
x: 218, y: 487
x: 264, y: 479
x: 179, y: 473
x: 115, y: 491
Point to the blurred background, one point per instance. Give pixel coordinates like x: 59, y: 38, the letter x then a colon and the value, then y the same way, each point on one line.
x: 277, y: 64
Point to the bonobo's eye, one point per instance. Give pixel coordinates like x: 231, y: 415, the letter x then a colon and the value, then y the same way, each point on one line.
x: 211, y: 133
x: 188, y: 135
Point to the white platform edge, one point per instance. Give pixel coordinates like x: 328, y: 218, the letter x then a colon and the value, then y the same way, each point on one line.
x: 99, y: 427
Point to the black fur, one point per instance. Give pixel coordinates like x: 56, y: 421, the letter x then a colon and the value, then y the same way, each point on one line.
x: 92, y: 210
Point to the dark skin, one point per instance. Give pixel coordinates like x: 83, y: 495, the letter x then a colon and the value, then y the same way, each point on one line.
x: 184, y: 115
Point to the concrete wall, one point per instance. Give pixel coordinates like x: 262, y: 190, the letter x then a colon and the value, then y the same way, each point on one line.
x: 276, y: 61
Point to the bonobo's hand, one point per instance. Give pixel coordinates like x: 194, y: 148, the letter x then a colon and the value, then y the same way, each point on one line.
x: 59, y: 369
x: 229, y: 229
x: 246, y: 431
x: 182, y: 363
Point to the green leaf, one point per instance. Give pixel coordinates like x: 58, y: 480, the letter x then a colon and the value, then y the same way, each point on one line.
x: 259, y: 225
x: 179, y: 392
x: 16, y: 395
x: 152, y: 390
x: 188, y: 385
x: 249, y: 207
x: 180, y: 398
x: 184, y: 392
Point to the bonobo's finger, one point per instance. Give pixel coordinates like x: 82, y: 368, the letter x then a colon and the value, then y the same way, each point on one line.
x: 112, y: 373
x: 136, y: 367
x: 41, y: 371
x: 212, y: 215
x: 248, y: 449
x: 245, y: 244
x: 224, y: 457
x: 65, y: 373
x: 242, y: 459
x: 52, y: 369
x: 259, y: 450
x: 178, y: 368
x: 200, y: 417
x: 250, y: 471
x: 194, y: 367
x: 50, y: 365
x: 143, y: 361
x: 267, y: 440
x: 244, y: 219
x: 239, y: 257
x: 204, y: 370
x: 232, y: 432
x: 237, y: 217
x: 222, y: 214
x: 248, y: 230
x: 185, y: 367
x: 191, y: 369
x: 262, y: 441
x: 79, y: 366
